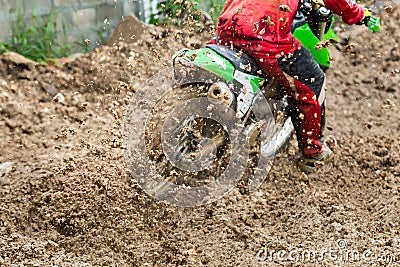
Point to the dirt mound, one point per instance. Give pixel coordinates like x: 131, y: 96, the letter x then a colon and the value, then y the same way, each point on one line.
x: 67, y: 197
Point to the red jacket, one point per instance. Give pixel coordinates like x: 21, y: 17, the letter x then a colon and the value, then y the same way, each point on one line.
x: 264, y: 25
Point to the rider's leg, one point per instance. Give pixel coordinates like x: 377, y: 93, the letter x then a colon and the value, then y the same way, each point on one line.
x: 309, y: 98
x: 303, y: 79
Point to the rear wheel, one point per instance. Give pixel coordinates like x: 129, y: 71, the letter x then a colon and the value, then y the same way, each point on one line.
x: 204, y: 141
x: 192, y: 152
x: 182, y: 148
x: 187, y: 150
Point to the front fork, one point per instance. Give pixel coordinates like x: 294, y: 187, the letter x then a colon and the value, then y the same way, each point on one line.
x: 321, y: 30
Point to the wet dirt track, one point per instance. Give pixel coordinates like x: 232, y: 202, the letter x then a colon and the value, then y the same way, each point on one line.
x: 67, y: 198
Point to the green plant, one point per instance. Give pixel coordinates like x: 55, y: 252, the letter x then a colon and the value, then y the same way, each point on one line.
x: 211, y: 7
x: 39, y: 40
x: 179, y: 12
x: 173, y: 11
x: 102, y: 35
x: 84, y: 45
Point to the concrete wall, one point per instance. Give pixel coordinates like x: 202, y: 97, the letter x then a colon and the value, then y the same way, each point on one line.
x: 84, y: 19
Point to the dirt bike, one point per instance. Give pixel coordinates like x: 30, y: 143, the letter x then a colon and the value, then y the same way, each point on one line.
x: 221, y: 108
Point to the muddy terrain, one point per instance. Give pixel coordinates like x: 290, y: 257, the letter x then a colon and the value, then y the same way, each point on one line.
x: 67, y: 197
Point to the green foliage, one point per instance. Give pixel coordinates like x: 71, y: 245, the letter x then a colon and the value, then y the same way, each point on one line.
x: 173, y: 11
x: 39, y: 40
x: 212, y: 7
x: 102, y: 35
x: 84, y: 45
x: 179, y: 12
x: 87, y: 46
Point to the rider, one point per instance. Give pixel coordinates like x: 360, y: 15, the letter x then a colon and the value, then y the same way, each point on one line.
x: 262, y: 28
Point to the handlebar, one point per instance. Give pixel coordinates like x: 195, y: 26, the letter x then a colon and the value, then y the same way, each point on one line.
x: 373, y: 23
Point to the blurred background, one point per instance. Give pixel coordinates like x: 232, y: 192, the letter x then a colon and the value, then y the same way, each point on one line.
x: 67, y: 26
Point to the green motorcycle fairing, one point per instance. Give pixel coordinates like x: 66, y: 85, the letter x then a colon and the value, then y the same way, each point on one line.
x: 208, y: 59
x: 305, y: 35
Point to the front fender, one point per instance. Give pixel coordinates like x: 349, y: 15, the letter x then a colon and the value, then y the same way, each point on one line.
x: 305, y: 35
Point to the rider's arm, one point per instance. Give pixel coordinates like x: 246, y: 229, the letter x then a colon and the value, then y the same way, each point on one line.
x: 350, y: 11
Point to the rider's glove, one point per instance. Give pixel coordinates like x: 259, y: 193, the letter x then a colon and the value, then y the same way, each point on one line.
x: 373, y: 23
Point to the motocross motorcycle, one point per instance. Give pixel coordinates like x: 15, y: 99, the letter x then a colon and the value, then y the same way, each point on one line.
x: 246, y: 117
